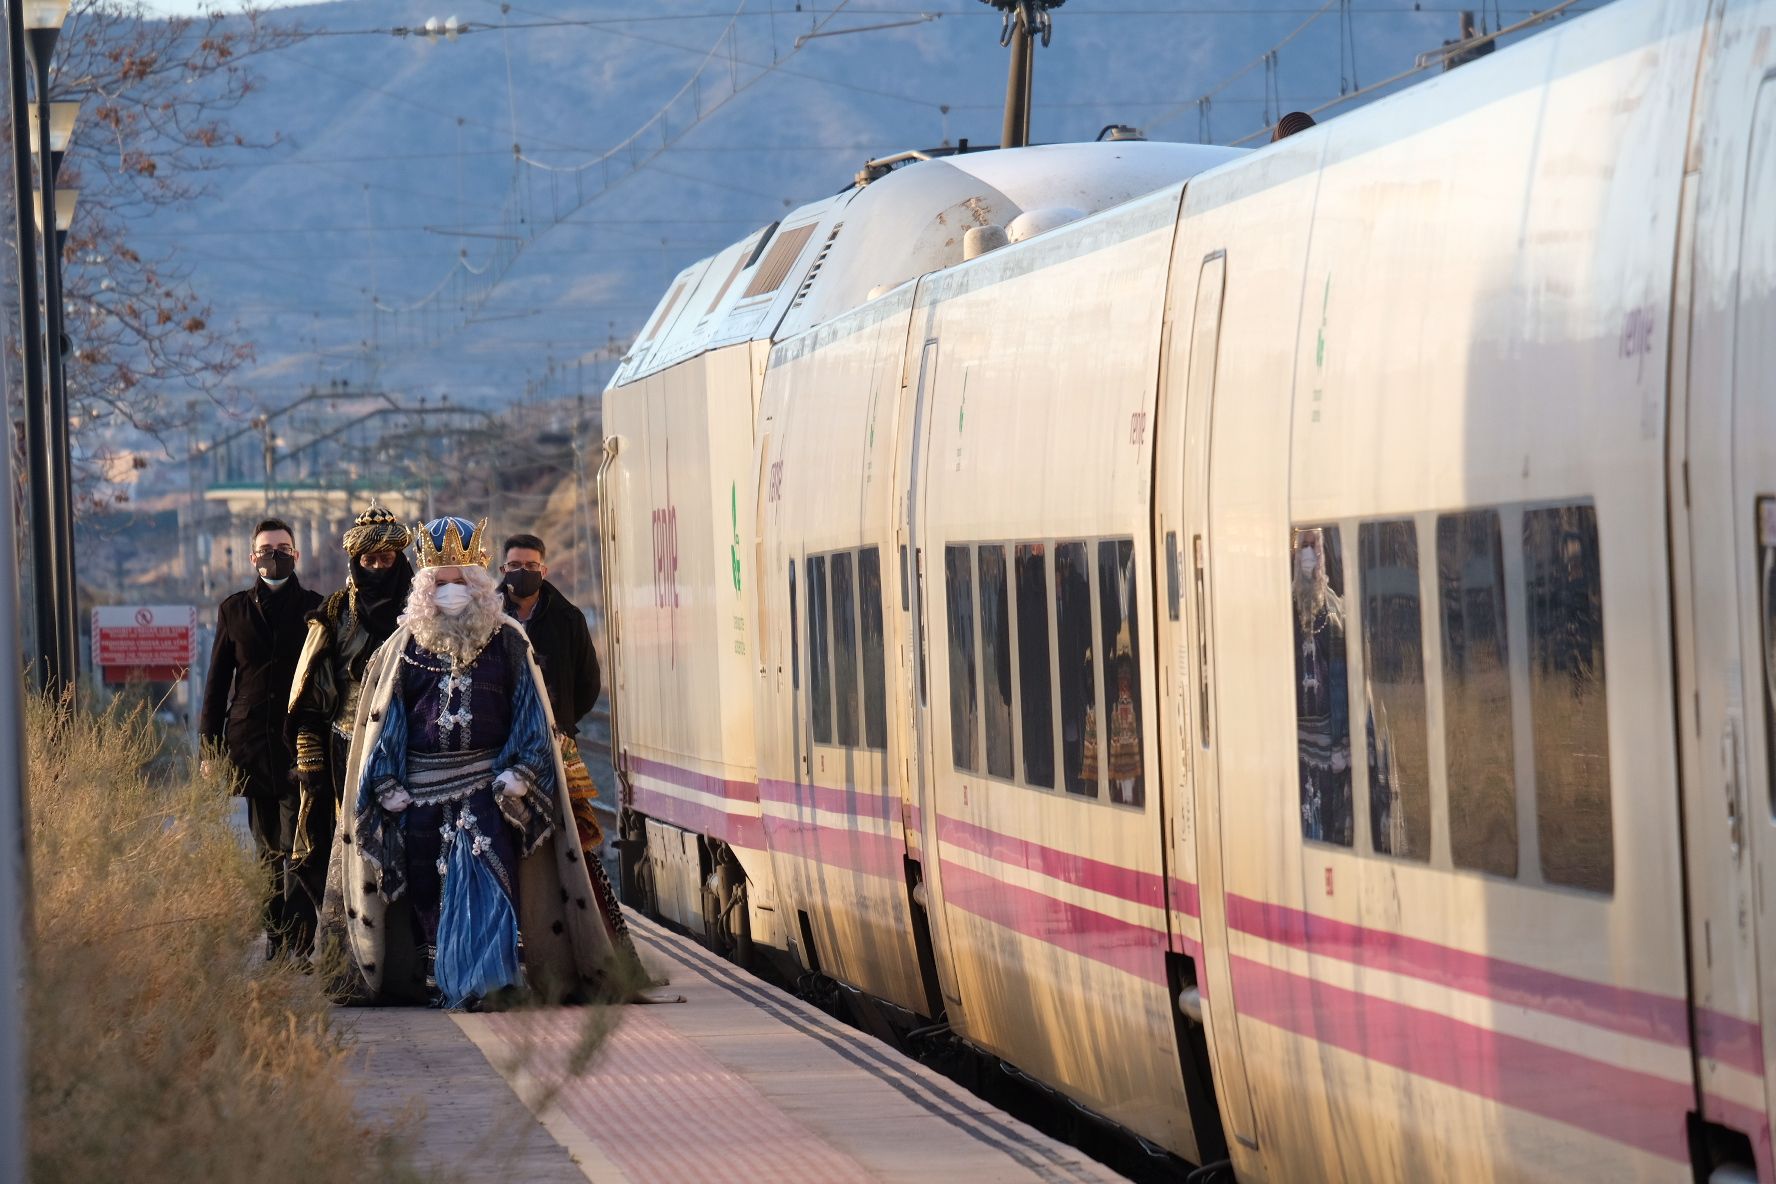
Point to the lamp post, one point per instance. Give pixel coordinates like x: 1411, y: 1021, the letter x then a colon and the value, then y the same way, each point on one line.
x: 43, y: 24
x: 46, y: 662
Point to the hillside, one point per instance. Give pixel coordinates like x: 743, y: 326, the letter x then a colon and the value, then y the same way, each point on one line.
x: 394, y: 174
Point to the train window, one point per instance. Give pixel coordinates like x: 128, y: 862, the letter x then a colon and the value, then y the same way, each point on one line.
x: 844, y: 616
x: 795, y: 641
x: 875, y: 689
x: 1394, y: 691
x: 819, y: 671
x: 1035, y: 691
x: 1120, y: 632
x: 1079, y: 682
x: 996, y: 659
x: 1322, y: 698
x: 1478, y: 742
x: 964, y: 699
x: 1174, y: 575
x: 1563, y: 622
x: 903, y: 577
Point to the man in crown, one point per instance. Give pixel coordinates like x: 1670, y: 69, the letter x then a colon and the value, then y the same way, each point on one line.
x: 457, y: 873
x: 342, y: 635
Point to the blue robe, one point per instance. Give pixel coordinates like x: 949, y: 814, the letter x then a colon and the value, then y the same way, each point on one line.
x: 454, y: 853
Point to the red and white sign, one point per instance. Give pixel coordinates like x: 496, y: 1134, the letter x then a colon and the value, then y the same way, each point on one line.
x: 152, y: 643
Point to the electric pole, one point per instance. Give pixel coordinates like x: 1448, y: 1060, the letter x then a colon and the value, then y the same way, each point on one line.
x: 1022, y: 21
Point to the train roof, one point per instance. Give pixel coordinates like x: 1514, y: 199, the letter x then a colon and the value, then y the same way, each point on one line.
x: 833, y: 255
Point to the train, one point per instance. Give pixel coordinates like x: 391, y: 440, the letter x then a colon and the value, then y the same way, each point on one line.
x: 1276, y: 645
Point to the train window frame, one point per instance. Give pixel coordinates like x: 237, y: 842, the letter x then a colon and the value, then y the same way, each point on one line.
x: 875, y: 690
x: 1535, y: 641
x: 847, y: 658
x: 1040, y: 550
x: 1089, y: 660
x: 1364, y: 688
x: 1459, y: 801
x: 1123, y: 549
x: 962, y: 663
x: 1307, y: 677
x: 998, y: 644
x: 820, y: 677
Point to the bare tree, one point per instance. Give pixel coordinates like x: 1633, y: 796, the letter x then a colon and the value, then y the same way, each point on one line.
x: 156, y: 96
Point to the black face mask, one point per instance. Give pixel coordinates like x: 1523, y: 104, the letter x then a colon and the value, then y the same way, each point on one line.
x: 523, y: 584
x: 376, y: 581
x: 277, y: 566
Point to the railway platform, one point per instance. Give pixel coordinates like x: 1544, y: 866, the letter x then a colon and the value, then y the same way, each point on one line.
x: 740, y: 1082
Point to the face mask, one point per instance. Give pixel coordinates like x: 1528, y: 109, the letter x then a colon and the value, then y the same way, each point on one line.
x: 451, y: 599
x: 1308, y: 562
x: 523, y: 584
x: 275, y: 569
x: 375, y: 580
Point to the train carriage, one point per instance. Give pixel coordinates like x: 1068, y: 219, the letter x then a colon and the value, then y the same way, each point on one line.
x: 1283, y: 655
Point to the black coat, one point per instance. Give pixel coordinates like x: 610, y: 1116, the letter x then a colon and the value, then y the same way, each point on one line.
x: 562, y: 642
x: 259, y: 635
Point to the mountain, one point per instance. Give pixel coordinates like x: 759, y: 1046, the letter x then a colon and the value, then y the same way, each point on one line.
x: 394, y: 174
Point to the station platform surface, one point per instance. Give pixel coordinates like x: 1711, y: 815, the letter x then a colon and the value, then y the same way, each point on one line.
x: 741, y: 1082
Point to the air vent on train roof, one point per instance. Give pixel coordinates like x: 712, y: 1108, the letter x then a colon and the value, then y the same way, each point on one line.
x: 819, y: 260
x: 777, y: 261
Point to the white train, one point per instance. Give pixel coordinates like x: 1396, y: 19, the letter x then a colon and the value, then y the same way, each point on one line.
x: 1280, y: 652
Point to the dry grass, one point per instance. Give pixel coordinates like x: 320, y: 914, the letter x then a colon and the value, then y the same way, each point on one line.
x: 162, y: 1047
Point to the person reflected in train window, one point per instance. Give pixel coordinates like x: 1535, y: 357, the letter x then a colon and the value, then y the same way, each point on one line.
x: 1125, y: 729
x: 1078, y: 676
x: 1288, y: 125
x: 1322, y: 707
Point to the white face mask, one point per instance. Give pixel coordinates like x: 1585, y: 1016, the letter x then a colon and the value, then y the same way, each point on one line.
x: 1308, y: 562
x: 452, y: 599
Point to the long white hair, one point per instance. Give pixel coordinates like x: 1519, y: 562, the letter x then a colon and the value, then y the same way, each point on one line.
x: 464, y: 635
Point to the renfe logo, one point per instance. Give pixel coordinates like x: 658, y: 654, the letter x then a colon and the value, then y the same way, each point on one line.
x: 666, y: 568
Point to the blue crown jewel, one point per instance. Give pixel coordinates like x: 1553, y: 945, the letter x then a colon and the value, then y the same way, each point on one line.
x: 453, y: 542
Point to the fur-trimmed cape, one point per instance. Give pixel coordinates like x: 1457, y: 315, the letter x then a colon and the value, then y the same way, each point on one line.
x: 568, y: 949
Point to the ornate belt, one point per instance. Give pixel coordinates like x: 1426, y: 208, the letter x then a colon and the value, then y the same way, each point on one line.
x: 434, y: 777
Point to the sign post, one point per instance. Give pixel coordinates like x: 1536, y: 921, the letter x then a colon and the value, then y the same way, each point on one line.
x: 144, y: 643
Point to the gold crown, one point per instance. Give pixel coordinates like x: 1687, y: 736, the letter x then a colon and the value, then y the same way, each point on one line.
x: 454, y: 552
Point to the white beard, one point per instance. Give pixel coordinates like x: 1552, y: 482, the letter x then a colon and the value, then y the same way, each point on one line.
x: 465, y: 635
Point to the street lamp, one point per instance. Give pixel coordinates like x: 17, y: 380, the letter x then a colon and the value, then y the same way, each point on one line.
x: 43, y: 24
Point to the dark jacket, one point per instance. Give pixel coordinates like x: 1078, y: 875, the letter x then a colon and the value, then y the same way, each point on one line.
x: 259, y: 634
x: 563, y: 644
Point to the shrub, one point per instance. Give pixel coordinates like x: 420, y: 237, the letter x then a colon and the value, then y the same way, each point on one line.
x: 162, y: 1047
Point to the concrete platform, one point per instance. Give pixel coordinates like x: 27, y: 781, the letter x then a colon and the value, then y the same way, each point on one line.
x: 741, y: 1082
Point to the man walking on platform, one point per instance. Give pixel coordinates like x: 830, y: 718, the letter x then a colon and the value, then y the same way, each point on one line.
x: 562, y: 643
x: 259, y: 634
x: 342, y: 635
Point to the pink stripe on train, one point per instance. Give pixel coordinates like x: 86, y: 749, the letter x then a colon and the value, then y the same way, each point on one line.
x: 1111, y: 879
x: 1622, y: 1105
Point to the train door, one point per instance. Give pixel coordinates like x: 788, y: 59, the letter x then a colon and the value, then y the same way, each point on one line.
x: 1723, y: 488
x: 915, y: 652
x: 1203, y: 343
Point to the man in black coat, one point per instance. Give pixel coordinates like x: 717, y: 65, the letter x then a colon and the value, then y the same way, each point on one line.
x: 557, y: 629
x: 259, y: 633
x: 562, y: 642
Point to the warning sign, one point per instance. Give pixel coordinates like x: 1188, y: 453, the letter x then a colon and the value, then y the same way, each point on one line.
x: 153, y: 643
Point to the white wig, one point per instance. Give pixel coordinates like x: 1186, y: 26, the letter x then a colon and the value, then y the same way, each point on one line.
x: 465, y: 635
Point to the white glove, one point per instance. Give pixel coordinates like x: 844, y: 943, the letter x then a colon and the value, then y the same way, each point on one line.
x: 396, y: 800
x: 512, y: 784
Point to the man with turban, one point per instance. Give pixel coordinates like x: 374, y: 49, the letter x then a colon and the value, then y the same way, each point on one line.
x: 342, y: 635
x: 457, y: 874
